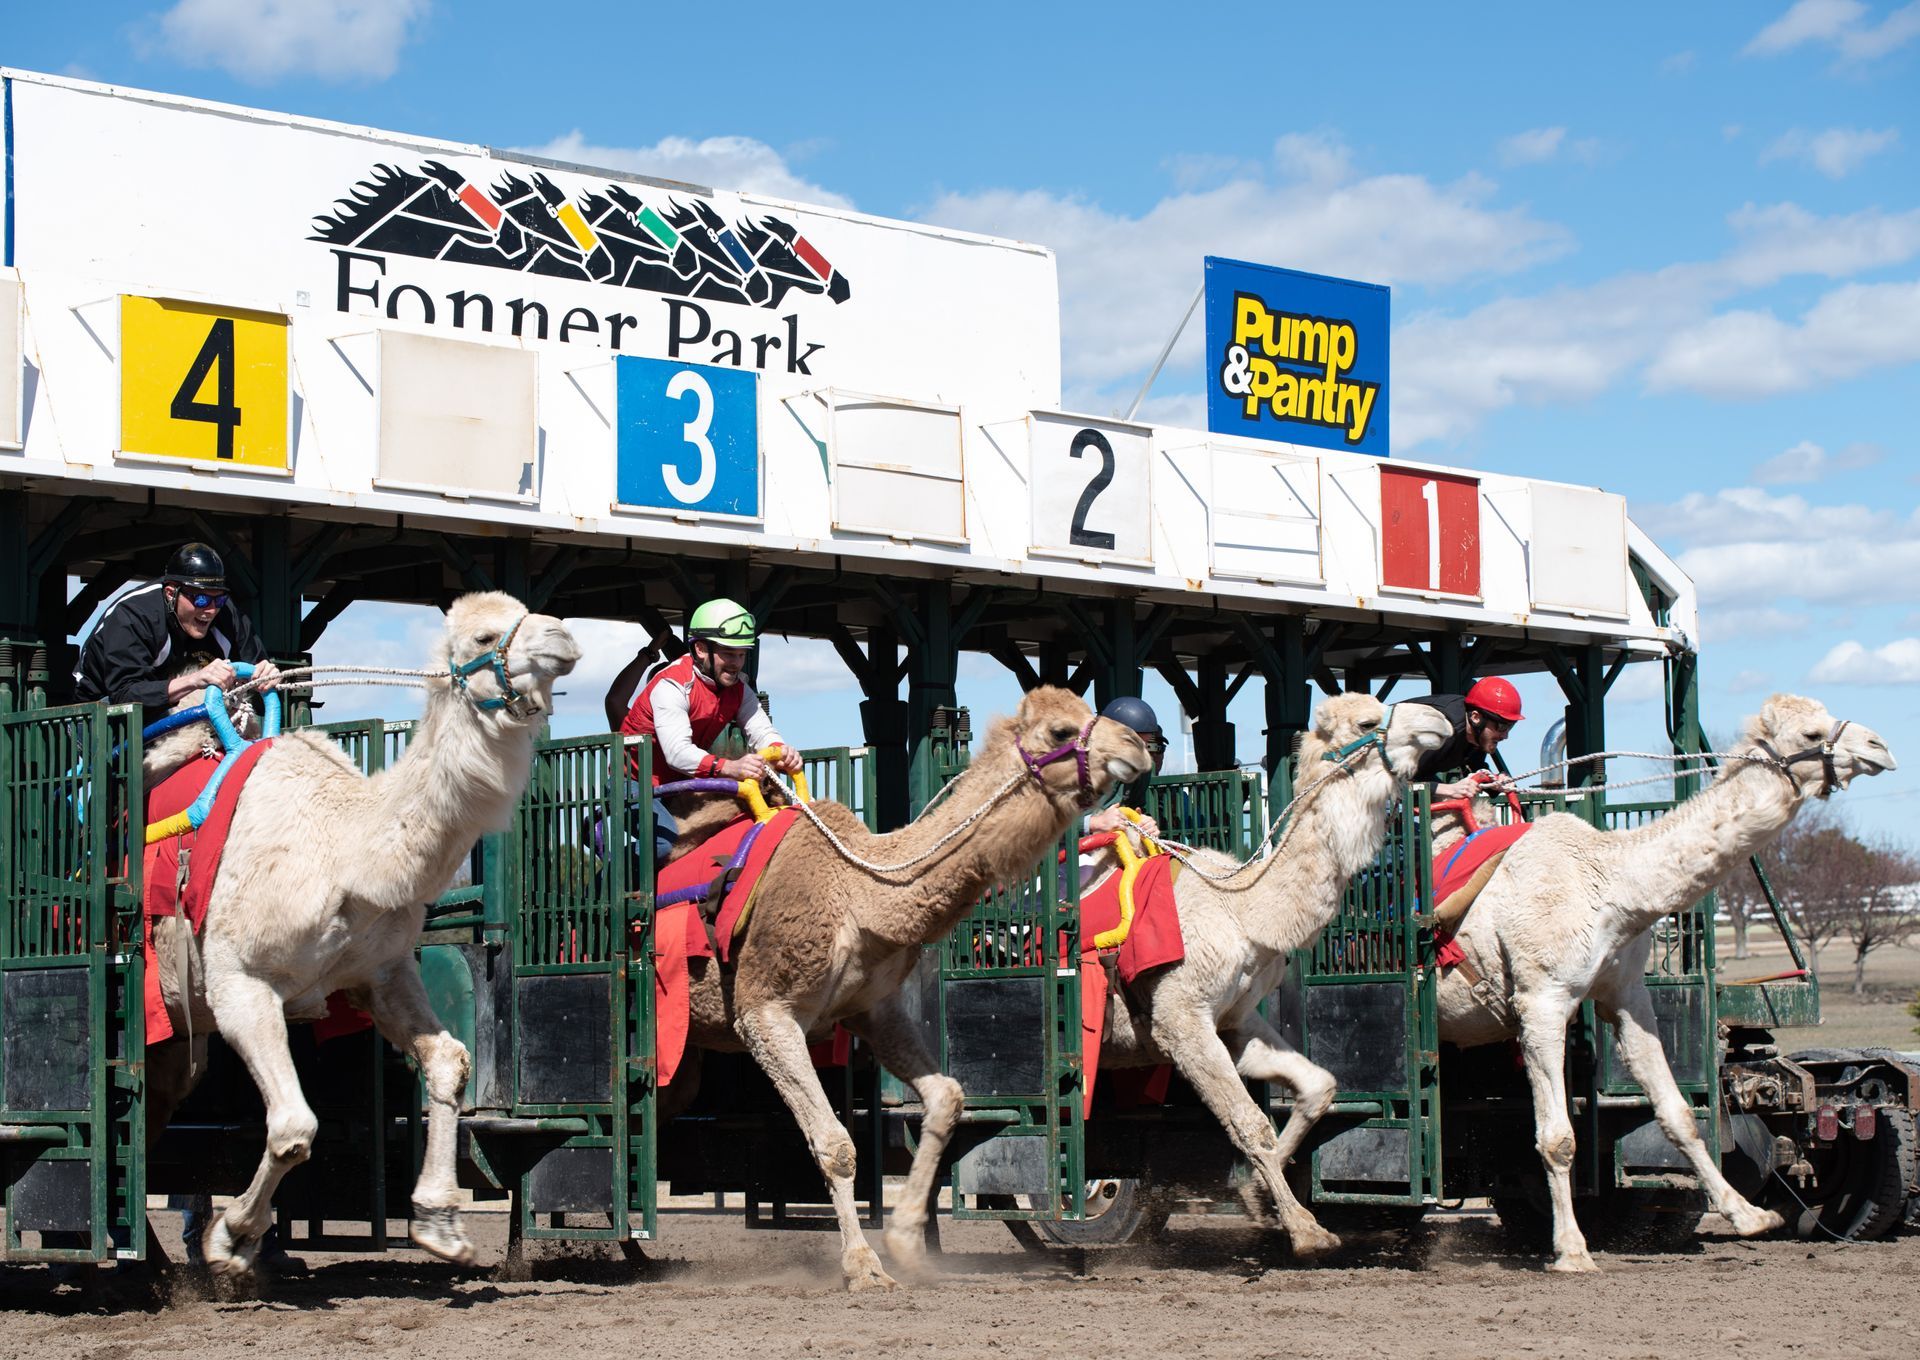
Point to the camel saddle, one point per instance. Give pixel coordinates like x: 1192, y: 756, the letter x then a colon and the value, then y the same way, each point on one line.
x: 708, y: 920
x: 1459, y: 873
x: 1154, y: 942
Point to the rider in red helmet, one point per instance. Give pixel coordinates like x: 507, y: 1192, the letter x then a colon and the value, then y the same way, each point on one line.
x: 1481, y: 719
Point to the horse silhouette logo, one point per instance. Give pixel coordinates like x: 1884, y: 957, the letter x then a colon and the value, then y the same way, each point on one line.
x: 681, y: 248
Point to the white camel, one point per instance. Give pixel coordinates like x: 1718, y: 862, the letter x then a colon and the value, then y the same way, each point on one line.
x: 1569, y: 913
x: 1201, y: 1014
x: 323, y: 887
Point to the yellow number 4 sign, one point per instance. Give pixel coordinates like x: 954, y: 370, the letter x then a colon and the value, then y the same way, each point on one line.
x: 203, y: 383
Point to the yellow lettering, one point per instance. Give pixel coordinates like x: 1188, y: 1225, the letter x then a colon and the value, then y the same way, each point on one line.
x: 1357, y: 429
x: 1344, y: 345
x: 1252, y: 319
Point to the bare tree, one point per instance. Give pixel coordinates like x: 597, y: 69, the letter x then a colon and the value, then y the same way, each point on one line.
x: 1838, y: 887
x: 1740, y: 896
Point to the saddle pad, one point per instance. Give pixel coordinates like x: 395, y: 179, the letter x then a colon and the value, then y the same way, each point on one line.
x: 1153, y: 942
x: 1455, y: 868
x: 171, y: 796
x: 732, y: 923
x: 703, y: 863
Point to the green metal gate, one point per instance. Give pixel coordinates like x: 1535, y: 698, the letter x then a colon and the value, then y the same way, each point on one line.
x: 72, y: 1102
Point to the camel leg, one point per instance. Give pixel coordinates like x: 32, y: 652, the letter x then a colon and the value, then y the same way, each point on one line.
x: 1260, y: 1053
x: 896, y: 1043
x: 251, y: 1020
x: 1200, y: 1053
x: 779, y: 1044
x: 1543, y: 1038
x: 1638, y: 1034
x: 400, y: 1009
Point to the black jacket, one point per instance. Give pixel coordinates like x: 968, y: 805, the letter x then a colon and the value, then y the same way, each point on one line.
x: 138, y: 645
x: 1458, y: 753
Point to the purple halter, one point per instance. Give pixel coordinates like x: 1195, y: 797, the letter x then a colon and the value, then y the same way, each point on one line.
x: 1077, y: 748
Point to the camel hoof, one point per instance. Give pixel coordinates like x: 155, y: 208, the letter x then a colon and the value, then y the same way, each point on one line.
x: 1574, y: 1264
x: 907, y: 1245
x: 436, y: 1228
x: 1311, y: 1240
x: 863, y: 1271
x: 1752, y: 1222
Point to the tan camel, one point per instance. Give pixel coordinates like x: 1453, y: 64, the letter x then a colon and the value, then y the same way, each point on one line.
x: 832, y: 941
x: 1569, y: 915
x: 1201, y: 1014
x: 323, y: 887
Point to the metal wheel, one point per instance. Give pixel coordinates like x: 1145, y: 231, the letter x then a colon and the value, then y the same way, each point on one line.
x: 1861, y: 1191
x: 1119, y: 1213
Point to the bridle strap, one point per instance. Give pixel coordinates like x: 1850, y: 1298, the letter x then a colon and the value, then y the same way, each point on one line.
x: 1829, y: 775
x: 516, y: 703
x: 1377, y: 737
x: 1077, y: 748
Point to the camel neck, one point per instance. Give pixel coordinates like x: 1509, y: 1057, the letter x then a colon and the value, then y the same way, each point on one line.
x: 1685, y: 854
x: 1000, y: 846
x: 458, y: 779
x: 1336, y: 833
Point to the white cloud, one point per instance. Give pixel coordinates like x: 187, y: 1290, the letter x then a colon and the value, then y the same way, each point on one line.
x: 1529, y: 148
x: 1571, y: 344
x: 1746, y: 514
x: 1729, y: 625
x: 260, y: 41
x: 1895, y: 663
x: 1808, y: 462
x: 737, y: 163
x: 1125, y: 279
x: 1748, y: 681
x: 1850, y: 330
x: 1840, y: 24
x: 1835, y: 153
x: 1678, y: 64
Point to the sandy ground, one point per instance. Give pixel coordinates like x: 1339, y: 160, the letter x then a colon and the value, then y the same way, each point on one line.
x: 1214, y: 1288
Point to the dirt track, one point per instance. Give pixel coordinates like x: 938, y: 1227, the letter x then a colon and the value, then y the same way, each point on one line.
x: 1210, y: 1290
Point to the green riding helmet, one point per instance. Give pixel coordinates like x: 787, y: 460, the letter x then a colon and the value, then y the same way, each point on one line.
x: 724, y: 622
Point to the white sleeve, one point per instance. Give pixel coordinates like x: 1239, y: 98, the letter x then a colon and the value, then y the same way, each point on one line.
x: 673, y: 729
x: 755, y: 723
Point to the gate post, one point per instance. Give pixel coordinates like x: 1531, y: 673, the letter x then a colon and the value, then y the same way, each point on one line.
x: 1213, y: 738
x: 1285, y: 663
x: 933, y: 666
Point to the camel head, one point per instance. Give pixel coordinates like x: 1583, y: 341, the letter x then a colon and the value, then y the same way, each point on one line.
x: 515, y: 687
x: 1822, y: 752
x: 1050, y: 718
x: 1412, y: 731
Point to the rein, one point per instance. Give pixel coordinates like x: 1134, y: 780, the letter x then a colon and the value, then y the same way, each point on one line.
x: 516, y: 704
x: 1077, y: 748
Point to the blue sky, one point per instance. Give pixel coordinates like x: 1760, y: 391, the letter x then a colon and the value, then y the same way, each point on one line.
x: 1670, y: 250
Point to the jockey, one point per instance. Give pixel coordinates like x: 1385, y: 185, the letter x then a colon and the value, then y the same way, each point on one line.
x: 1481, y: 719
x: 1129, y: 711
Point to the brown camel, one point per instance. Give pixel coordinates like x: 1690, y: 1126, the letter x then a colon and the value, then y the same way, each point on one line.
x: 834, y: 933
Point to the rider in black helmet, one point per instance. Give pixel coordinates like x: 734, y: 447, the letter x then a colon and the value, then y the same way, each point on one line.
x: 1131, y: 711
x: 158, y: 643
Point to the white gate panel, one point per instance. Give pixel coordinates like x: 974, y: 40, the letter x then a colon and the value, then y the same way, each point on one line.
x: 899, y: 468
x: 458, y: 418
x: 1266, y: 515
x: 13, y: 375
x: 1091, y: 488
x: 1578, y: 550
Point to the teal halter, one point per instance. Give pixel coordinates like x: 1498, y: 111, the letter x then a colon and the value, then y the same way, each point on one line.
x: 1377, y: 737
x: 517, y: 704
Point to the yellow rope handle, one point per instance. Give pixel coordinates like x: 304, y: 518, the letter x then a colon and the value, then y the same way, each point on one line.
x: 177, y: 825
x: 1130, y: 862
x: 800, y: 789
x: 756, y: 800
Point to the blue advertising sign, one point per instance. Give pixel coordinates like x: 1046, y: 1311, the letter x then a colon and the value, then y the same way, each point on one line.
x: 687, y: 437
x: 1298, y: 357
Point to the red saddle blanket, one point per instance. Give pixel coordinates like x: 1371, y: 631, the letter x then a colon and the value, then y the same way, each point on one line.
x: 165, y: 894
x: 1153, y: 942
x: 679, y: 934
x: 1454, y: 868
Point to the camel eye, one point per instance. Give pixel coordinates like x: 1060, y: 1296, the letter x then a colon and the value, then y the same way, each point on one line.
x: 1063, y: 732
x: 485, y: 639
x: 1369, y: 724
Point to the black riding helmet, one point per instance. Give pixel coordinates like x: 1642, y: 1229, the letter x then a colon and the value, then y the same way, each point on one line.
x: 197, y: 565
x: 1133, y: 712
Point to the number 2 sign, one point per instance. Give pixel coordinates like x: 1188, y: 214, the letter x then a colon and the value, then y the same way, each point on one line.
x: 1090, y: 488
x: 688, y: 439
x: 1429, y: 532
x: 207, y: 384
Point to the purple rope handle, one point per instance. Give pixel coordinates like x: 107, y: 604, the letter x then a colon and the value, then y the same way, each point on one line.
x: 731, y: 786
x: 699, y: 890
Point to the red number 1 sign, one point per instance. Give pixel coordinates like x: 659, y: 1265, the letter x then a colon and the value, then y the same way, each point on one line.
x: 1429, y: 531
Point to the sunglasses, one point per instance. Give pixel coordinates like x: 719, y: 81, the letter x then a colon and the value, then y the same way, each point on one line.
x: 204, y: 599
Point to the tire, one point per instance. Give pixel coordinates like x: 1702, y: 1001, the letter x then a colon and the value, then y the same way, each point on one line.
x: 1119, y: 1214
x: 1869, y: 1181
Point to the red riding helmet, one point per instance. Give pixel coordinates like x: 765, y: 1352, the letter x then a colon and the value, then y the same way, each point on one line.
x: 1496, y: 696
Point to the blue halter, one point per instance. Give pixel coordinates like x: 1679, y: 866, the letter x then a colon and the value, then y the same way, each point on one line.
x: 1377, y: 737
x: 518, y: 705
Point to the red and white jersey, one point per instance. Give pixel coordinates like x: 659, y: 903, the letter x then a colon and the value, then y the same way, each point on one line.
x: 684, y: 713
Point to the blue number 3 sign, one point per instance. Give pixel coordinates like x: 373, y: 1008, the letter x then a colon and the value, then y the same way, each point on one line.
x: 688, y: 438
